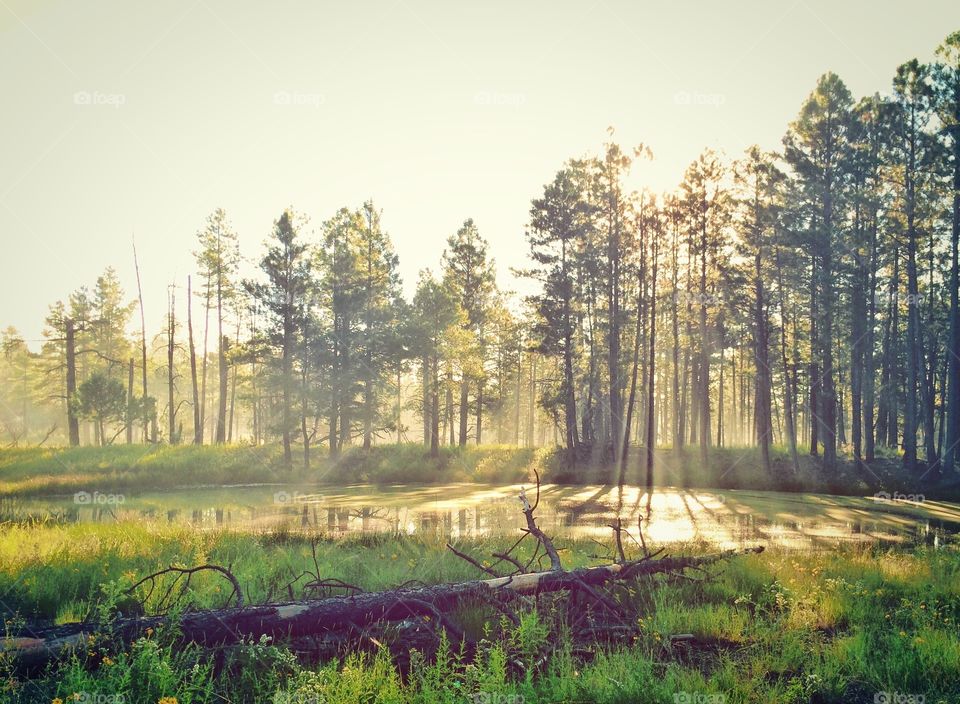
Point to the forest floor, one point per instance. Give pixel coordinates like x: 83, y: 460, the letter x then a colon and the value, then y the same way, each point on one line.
x: 128, y: 468
x: 855, y: 624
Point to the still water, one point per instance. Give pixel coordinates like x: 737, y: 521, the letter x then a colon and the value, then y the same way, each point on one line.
x: 721, y: 518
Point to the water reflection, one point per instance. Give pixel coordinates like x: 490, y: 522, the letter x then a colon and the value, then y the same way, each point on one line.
x: 723, y: 518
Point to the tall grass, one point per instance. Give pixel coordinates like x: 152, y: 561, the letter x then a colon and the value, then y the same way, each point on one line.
x: 118, y: 468
x: 130, y: 468
x: 777, y: 627
x: 125, y: 468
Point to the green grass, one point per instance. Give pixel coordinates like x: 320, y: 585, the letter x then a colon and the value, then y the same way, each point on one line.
x: 780, y: 626
x: 35, y: 471
x: 741, y: 468
x: 125, y: 468
x: 129, y: 468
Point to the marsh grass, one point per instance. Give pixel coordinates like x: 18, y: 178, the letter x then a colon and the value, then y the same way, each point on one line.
x: 132, y: 468
x: 779, y: 627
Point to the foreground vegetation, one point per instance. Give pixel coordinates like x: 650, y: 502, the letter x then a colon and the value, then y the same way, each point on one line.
x: 777, y: 627
x: 129, y: 468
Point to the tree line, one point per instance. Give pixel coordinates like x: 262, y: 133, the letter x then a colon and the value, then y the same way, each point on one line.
x: 804, y: 298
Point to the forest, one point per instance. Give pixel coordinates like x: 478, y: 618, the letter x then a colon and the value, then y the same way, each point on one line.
x: 805, y: 298
x: 604, y: 443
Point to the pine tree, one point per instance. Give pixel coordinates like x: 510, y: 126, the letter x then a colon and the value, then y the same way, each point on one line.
x: 218, y: 259
x: 470, y: 277
x: 816, y: 148
x: 287, y: 268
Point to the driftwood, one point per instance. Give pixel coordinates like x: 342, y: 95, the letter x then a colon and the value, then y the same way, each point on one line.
x: 354, y: 612
x: 305, y: 618
x: 188, y: 572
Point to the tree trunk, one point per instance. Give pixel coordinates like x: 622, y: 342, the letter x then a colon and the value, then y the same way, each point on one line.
x: 762, y: 404
x: 464, y: 409
x: 635, y: 366
x: 316, y: 617
x: 435, y: 410
x: 233, y: 392
x: 73, y: 424
x: 569, y: 392
x: 426, y: 401
x: 516, y: 410
x: 676, y: 422
x: 651, y: 421
x: 953, y: 344
x: 479, y: 410
x: 814, y: 367
x: 913, y: 322
x: 203, y: 364
x: 304, y: 386
x: 143, y: 344
x: 286, y: 370
x: 857, y: 337
x: 789, y: 399
x: 129, y: 415
x: 703, y: 367
x: 531, y: 427
x: 171, y: 408
x: 367, y: 410
x: 893, y: 384
x: 828, y: 405
x: 869, y: 363
x: 221, y: 434
x: 929, y: 383
x: 197, y: 414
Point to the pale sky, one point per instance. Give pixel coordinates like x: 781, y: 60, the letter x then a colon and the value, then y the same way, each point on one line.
x: 122, y: 118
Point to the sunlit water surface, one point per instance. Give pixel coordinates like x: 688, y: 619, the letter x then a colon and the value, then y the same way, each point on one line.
x: 723, y: 518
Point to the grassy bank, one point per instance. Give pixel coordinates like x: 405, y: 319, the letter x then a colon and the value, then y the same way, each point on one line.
x: 741, y: 468
x: 777, y: 627
x: 126, y: 468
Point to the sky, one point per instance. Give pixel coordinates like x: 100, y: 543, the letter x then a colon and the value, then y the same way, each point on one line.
x: 130, y: 120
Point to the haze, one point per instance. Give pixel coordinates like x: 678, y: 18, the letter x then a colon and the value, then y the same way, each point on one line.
x: 123, y: 119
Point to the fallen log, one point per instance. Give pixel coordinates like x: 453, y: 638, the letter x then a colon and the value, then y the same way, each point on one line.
x: 34, y: 648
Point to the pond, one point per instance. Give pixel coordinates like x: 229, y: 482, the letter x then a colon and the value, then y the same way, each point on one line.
x: 719, y: 517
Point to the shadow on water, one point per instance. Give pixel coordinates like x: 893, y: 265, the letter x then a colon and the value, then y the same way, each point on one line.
x: 726, y: 518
